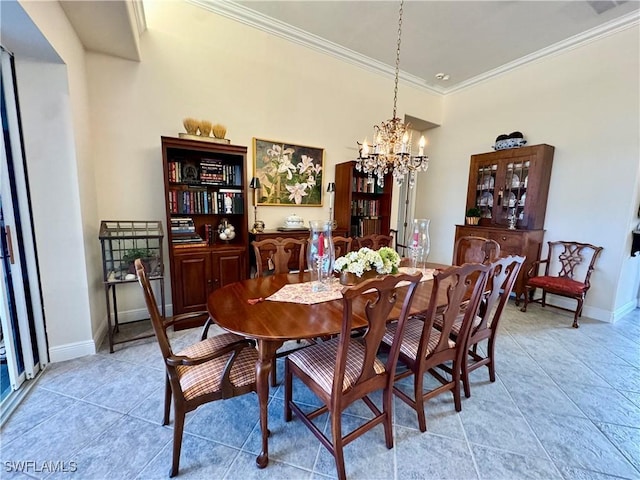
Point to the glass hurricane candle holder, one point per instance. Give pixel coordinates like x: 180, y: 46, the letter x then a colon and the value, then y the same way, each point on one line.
x: 420, y: 245
x: 320, y: 254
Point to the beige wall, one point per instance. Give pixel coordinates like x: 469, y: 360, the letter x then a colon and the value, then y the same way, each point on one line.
x: 585, y: 102
x: 196, y: 64
x: 55, y: 116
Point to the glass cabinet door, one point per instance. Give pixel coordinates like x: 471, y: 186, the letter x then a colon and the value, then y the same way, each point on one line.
x: 512, y: 195
x: 486, y: 183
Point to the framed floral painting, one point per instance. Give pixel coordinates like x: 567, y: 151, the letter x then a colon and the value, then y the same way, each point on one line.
x: 289, y: 174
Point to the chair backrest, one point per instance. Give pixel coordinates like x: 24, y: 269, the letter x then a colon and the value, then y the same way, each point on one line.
x: 501, y: 279
x: 157, y: 321
x: 279, y: 255
x: 464, y: 286
x: 374, y: 241
x: 399, y: 247
x: 573, y: 260
x: 472, y: 249
x: 380, y: 299
x: 342, y: 245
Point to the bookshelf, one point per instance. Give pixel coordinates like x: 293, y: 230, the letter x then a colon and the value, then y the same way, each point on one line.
x: 206, y: 207
x: 362, y: 207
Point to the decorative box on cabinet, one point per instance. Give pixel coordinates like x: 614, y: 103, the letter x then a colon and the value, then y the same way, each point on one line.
x: 362, y: 206
x: 204, y: 186
x: 511, y: 182
x: 512, y: 242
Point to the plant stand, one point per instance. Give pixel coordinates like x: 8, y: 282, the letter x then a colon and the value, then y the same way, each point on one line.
x: 122, y: 242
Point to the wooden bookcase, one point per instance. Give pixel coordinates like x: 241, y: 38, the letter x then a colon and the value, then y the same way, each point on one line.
x: 361, y: 206
x: 204, y: 186
x: 506, y: 183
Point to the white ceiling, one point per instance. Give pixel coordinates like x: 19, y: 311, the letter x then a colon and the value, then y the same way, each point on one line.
x: 468, y: 40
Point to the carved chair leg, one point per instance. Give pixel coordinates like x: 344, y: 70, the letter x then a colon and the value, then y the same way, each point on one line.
x: 419, y: 402
x: 167, y: 402
x: 273, y: 372
x: 288, y: 392
x: 544, y: 298
x: 577, y: 313
x: 455, y: 373
x: 178, y: 427
x: 491, y: 357
x: 338, y: 447
x: 526, y: 299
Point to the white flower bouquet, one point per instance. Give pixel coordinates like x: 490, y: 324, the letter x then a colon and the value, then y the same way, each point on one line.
x: 384, y: 261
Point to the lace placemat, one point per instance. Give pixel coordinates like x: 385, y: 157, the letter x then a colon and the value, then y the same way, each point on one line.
x: 303, y: 292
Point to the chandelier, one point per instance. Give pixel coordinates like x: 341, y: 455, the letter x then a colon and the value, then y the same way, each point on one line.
x: 391, y: 151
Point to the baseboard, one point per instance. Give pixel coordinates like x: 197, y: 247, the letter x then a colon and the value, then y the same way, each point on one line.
x: 624, y: 310
x: 125, y: 316
x: 589, y: 311
x: 71, y: 351
x: 80, y: 349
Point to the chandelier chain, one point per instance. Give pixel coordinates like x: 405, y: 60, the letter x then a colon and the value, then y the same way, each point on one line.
x: 395, y: 90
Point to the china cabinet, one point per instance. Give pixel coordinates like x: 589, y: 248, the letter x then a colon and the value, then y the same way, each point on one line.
x: 206, y: 205
x: 512, y: 182
x: 510, y: 187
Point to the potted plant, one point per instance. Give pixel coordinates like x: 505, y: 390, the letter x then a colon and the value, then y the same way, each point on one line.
x: 355, y: 267
x: 473, y: 216
x: 130, y: 256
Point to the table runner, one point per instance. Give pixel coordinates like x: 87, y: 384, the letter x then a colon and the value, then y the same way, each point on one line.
x: 303, y: 292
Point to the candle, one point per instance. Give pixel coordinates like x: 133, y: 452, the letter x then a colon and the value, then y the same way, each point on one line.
x: 365, y: 149
x: 421, y: 146
x: 416, y: 237
x: 331, y: 195
x: 321, y: 245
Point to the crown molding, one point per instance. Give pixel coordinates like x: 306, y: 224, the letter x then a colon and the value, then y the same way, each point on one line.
x: 609, y: 28
x: 242, y: 14
x: 283, y: 30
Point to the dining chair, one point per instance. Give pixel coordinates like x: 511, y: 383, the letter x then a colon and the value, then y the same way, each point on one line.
x: 374, y: 241
x: 342, y: 245
x: 344, y: 370
x: 471, y: 249
x: 502, y: 277
x: 401, y: 248
x: 567, y: 273
x: 216, y: 368
x: 279, y: 255
x: 423, y: 347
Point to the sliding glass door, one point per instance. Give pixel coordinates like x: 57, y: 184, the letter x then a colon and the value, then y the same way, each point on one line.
x: 23, y: 350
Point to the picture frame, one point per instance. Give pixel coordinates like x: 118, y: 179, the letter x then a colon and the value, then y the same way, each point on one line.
x: 290, y: 174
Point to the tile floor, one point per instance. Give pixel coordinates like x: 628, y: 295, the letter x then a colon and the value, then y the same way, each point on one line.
x: 566, y: 404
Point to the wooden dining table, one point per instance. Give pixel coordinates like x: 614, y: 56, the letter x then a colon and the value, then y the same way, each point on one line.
x: 242, y: 308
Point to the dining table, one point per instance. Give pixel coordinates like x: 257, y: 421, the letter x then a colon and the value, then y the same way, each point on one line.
x: 277, y: 308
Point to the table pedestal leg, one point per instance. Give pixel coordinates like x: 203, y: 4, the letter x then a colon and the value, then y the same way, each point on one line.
x: 266, y: 352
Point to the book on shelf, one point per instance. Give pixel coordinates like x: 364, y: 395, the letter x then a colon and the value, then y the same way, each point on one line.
x: 182, y: 238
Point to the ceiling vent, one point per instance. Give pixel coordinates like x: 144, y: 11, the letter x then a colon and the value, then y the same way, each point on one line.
x: 601, y: 6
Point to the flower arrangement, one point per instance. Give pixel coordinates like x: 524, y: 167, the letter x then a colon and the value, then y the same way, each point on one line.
x: 385, y: 260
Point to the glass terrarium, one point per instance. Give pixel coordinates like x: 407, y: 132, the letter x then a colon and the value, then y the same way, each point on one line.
x: 123, y: 242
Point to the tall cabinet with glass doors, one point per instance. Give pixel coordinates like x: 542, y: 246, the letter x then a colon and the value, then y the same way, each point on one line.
x: 510, y: 188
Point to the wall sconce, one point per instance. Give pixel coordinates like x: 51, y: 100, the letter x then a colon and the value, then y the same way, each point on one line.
x: 258, y: 225
x: 331, y: 190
